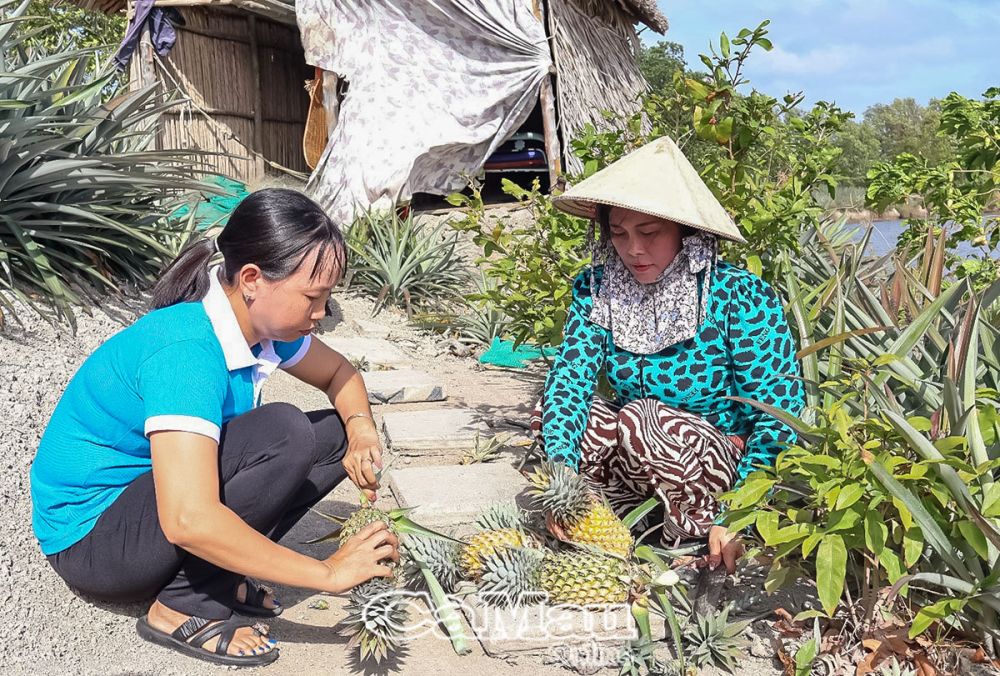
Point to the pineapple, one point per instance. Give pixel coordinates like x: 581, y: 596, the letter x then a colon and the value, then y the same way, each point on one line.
x: 577, y: 578
x: 362, y: 518
x: 583, y: 515
x: 502, y: 515
x: 486, y: 543
x: 502, y: 525
x: 376, y: 618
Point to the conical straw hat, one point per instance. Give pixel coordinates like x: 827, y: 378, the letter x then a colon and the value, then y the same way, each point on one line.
x: 657, y: 180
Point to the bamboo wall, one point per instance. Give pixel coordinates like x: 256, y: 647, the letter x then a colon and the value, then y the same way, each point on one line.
x: 594, y: 48
x: 218, y: 61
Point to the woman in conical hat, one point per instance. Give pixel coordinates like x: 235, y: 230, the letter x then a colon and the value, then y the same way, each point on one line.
x: 676, y: 332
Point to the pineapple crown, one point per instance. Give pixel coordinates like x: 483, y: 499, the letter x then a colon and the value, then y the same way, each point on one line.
x: 713, y: 640
x: 501, y: 515
x: 376, y: 618
x: 439, y: 556
x: 560, y: 490
x: 510, y: 575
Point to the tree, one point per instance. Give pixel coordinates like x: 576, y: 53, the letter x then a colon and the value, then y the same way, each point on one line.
x: 860, y: 150
x: 659, y: 63
x: 905, y: 126
x: 62, y: 26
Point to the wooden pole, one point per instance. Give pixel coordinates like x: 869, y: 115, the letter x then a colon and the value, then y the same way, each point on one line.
x: 547, y: 99
x: 258, y: 99
x: 142, y: 70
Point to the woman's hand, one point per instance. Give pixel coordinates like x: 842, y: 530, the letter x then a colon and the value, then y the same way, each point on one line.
x: 723, y: 547
x: 362, y: 557
x: 363, y: 459
x: 554, y: 528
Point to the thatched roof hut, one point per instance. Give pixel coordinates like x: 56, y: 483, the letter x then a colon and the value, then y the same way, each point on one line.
x: 242, y: 65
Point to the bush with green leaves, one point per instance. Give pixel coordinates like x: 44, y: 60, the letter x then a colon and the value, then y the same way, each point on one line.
x: 891, y: 482
x: 404, y: 263
x: 86, y: 202
x: 958, y: 194
x: 531, y: 266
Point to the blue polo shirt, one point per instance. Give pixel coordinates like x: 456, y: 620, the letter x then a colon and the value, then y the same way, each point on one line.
x: 186, y: 367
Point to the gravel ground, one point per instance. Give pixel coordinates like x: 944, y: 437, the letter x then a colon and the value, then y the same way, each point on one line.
x: 50, y: 630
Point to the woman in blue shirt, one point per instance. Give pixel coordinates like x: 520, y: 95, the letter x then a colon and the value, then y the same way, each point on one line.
x: 677, y: 334
x: 160, y: 474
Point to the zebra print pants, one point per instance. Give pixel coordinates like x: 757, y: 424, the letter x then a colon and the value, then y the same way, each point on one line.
x: 647, y: 448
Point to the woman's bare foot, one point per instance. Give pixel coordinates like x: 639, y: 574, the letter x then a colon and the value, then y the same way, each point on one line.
x: 246, y: 640
x: 269, y: 601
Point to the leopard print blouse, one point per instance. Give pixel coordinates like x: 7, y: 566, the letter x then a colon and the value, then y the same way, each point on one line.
x: 743, y: 348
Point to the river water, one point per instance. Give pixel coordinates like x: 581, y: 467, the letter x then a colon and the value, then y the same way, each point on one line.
x: 886, y: 233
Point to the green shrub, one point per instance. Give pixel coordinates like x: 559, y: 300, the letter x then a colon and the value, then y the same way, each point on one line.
x: 531, y: 266
x: 85, y: 202
x: 957, y: 194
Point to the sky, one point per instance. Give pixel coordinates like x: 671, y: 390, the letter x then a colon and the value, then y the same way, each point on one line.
x: 854, y: 52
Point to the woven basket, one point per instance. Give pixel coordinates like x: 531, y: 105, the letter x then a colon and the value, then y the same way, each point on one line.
x: 315, y: 137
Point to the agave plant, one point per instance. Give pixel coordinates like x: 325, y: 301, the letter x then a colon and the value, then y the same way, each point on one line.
x: 403, y: 263
x: 85, y: 199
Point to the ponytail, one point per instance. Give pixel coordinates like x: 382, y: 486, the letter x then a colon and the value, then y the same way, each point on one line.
x: 186, y: 278
x: 275, y: 229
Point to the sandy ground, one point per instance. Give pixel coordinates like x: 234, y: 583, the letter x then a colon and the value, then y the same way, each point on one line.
x: 48, y: 629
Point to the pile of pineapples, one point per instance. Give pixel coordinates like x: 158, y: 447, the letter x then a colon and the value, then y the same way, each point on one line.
x: 511, y: 560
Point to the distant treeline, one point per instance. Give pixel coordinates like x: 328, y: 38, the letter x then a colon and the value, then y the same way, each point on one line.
x: 884, y: 131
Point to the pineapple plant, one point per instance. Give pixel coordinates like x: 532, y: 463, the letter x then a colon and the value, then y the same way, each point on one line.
x: 486, y: 450
x: 714, y: 641
x: 572, y: 577
x: 376, y: 619
x: 585, y: 516
x: 376, y: 616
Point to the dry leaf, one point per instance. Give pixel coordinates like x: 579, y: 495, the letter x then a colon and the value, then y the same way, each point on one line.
x: 872, y: 644
x: 924, y: 666
x: 786, y: 660
x: 783, y: 614
x: 867, y: 665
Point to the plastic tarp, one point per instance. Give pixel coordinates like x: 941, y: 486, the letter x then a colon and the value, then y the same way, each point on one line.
x: 434, y: 86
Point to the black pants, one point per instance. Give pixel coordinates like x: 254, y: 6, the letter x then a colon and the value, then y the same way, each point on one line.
x: 275, y: 462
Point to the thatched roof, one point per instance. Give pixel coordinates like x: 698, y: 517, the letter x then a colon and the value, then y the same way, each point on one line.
x: 279, y: 10
x: 648, y: 13
x: 644, y: 11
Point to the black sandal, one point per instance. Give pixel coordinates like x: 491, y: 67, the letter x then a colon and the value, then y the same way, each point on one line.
x: 189, y: 638
x: 254, y: 603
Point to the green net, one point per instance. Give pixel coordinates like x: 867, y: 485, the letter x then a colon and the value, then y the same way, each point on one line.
x: 503, y: 353
x: 214, y: 209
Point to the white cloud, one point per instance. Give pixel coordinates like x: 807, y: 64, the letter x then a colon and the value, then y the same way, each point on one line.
x: 818, y: 61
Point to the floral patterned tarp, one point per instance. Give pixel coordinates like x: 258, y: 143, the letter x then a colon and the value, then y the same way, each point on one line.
x: 434, y: 86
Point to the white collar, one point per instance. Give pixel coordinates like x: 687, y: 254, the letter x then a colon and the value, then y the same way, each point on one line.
x: 226, y: 327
